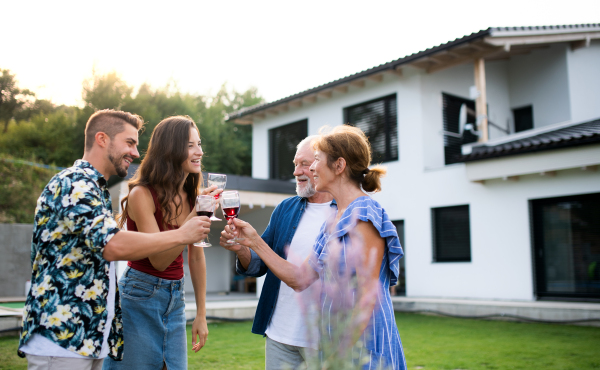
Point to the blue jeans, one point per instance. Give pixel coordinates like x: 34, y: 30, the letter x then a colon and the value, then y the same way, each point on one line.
x: 154, y: 325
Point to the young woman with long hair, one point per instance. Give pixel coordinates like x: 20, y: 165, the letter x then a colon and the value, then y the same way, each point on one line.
x: 161, y: 197
x: 341, y: 168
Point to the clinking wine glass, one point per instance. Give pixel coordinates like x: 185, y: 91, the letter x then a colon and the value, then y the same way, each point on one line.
x: 230, y: 203
x: 205, y: 206
x: 220, y: 181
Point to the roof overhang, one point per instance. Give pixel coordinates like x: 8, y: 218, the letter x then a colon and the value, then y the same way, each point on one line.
x: 490, y: 44
x: 585, y: 157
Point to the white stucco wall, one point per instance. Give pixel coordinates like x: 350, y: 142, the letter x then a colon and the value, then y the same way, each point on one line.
x: 541, y: 79
x: 501, y: 266
x: 584, y: 82
x: 325, y: 112
x: 457, y: 81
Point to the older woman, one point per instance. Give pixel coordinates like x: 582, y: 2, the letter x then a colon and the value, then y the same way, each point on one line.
x: 341, y: 168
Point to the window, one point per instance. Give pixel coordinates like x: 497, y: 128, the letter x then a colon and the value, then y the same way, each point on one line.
x: 282, y: 148
x: 566, y: 244
x: 378, y: 120
x: 451, y: 234
x: 451, y: 113
x: 400, y: 288
x: 523, y: 118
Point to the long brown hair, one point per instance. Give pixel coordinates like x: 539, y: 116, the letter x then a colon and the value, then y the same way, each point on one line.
x: 350, y: 143
x: 161, y: 168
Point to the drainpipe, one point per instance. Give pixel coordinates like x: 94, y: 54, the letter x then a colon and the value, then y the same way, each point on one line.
x: 481, y: 101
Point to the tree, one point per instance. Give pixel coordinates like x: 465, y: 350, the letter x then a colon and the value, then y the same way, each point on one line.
x: 55, y: 135
x: 12, y: 98
x: 107, y: 91
x: 227, y: 146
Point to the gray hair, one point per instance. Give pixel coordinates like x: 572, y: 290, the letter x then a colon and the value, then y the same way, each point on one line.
x: 305, y: 141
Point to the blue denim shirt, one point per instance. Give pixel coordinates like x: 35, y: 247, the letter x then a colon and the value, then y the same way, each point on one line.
x: 279, y: 234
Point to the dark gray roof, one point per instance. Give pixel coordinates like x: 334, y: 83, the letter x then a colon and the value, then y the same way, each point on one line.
x: 235, y: 182
x: 579, y: 134
x: 492, y: 31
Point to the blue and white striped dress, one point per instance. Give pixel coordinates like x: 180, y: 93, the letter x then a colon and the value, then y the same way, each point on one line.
x: 382, y: 342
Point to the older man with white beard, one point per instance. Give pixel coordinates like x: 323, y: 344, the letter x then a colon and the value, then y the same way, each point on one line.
x: 295, y: 222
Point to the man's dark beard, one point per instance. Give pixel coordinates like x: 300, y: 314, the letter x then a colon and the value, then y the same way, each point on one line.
x: 117, y: 163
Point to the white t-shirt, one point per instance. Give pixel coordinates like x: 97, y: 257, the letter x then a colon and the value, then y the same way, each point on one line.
x: 292, y: 314
x: 38, y: 345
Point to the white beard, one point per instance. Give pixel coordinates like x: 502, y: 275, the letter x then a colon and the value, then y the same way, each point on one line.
x: 307, y: 190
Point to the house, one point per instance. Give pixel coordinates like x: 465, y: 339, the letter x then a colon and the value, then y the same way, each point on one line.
x: 492, y: 146
x: 258, y: 199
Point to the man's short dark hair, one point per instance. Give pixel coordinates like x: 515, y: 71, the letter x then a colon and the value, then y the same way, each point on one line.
x: 111, y: 122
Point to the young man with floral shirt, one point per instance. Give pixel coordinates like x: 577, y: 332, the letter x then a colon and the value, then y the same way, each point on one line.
x: 72, y: 317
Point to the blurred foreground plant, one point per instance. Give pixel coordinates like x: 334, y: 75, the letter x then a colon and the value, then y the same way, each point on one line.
x: 338, y: 304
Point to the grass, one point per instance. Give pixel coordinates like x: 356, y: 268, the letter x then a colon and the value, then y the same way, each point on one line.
x: 446, y: 343
x: 430, y: 343
x: 12, y: 304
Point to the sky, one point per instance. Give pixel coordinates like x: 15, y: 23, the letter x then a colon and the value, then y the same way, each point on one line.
x: 280, y: 47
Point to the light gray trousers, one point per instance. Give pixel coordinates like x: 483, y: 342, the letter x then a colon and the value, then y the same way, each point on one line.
x: 279, y: 356
x: 62, y: 363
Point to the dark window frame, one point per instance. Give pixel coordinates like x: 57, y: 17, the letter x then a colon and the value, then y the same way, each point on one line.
x: 450, y: 123
x: 390, y: 126
x: 274, y: 161
x: 401, y: 289
x: 436, y: 240
x: 515, y: 112
x: 537, y: 245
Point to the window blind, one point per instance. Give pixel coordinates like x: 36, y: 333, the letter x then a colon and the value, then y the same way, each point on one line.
x: 451, y: 234
x: 378, y: 119
x: 282, y: 148
x: 451, y: 113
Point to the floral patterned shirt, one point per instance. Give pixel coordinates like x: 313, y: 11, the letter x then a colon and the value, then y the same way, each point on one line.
x: 69, y: 283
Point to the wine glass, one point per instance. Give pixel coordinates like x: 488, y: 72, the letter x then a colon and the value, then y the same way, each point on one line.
x: 230, y: 203
x: 205, y: 206
x: 219, y: 180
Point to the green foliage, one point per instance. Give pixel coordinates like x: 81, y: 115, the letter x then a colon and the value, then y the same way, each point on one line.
x: 55, y: 135
x: 20, y: 187
x: 37, y: 130
x: 108, y: 91
x: 12, y: 98
x: 47, y: 138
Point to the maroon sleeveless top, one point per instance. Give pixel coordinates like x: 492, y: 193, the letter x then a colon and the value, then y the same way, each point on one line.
x: 175, y: 269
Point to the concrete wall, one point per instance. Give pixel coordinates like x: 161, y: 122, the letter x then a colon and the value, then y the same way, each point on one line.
x: 15, y: 264
x: 584, y: 82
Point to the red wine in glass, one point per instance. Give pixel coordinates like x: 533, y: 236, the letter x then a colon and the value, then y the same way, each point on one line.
x: 231, y: 212
x: 230, y: 204
x: 204, y: 213
x: 205, y: 206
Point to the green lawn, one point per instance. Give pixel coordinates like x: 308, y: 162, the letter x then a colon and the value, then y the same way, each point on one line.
x: 12, y: 304
x: 429, y: 342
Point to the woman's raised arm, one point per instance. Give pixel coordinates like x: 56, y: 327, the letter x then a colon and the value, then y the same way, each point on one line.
x: 296, y: 277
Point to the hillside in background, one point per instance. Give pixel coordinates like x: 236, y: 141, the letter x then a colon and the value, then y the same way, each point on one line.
x: 20, y: 186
